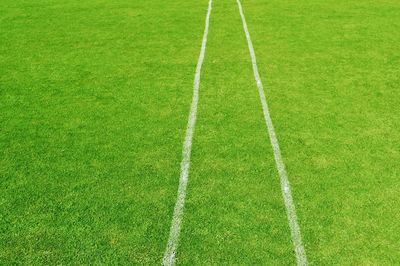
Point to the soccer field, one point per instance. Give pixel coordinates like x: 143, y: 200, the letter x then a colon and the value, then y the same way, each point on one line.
x: 255, y: 132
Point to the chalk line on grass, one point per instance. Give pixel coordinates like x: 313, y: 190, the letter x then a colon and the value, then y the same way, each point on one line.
x: 301, y: 257
x: 170, y: 251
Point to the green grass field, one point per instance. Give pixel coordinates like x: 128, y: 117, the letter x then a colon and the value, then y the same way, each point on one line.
x: 94, y: 104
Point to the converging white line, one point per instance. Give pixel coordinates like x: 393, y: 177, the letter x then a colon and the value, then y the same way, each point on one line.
x: 285, y: 187
x: 170, y: 251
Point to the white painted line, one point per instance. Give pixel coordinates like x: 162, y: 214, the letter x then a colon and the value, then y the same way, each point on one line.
x: 285, y: 187
x: 170, y: 251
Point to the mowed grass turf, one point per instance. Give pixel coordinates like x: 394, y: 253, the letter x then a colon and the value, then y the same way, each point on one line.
x: 331, y: 71
x: 94, y: 101
x: 234, y: 211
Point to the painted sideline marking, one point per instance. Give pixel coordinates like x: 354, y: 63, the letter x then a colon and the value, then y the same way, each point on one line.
x: 285, y: 187
x: 170, y: 251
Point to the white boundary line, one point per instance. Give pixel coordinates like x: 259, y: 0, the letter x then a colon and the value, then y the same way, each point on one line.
x: 285, y: 187
x: 170, y: 251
